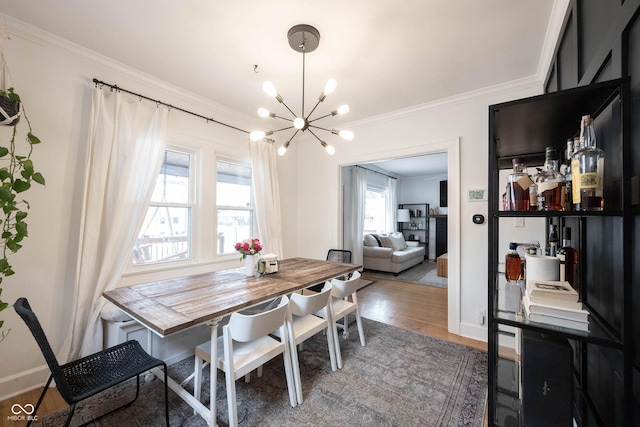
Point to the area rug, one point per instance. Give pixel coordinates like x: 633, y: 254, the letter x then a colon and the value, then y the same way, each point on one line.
x: 422, y: 274
x: 400, y: 378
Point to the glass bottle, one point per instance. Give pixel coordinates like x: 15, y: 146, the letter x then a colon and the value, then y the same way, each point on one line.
x: 513, y: 264
x: 518, y: 187
x: 568, y: 259
x: 552, y: 241
x: 551, y: 184
x: 565, y: 170
x: 513, y: 274
x: 587, y: 168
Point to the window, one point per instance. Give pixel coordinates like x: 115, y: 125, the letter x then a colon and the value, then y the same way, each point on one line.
x: 235, y: 205
x: 166, y: 233
x: 375, y: 211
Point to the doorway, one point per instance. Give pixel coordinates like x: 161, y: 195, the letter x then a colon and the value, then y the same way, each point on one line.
x: 451, y: 173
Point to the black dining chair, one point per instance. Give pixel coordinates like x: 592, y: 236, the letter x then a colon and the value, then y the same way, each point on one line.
x: 339, y: 255
x: 88, y: 376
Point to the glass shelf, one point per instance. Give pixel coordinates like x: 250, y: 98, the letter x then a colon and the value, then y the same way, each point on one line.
x: 598, y: 334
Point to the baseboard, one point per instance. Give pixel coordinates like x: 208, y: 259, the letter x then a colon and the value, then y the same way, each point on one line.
x: 474, y: 331
x: 24, y: 381
x: 180, y: 356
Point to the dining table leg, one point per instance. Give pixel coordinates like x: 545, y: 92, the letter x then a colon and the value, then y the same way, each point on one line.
x: 213, y: 366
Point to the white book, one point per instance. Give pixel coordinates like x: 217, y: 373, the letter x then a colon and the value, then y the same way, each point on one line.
x: 557, y: 321
x: 558, y: 303
x: 552, y: 289
x: 580, y: 314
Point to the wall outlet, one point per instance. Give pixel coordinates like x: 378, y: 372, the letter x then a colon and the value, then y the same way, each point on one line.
x: 480, y: 315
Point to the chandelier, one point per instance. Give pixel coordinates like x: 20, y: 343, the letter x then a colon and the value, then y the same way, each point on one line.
x: 304, y: 39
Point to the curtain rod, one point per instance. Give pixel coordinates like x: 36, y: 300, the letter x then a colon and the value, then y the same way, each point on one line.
x: 208, y: 119
x: 374, y: 171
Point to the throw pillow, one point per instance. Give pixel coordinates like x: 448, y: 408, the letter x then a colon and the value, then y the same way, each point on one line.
x: 398, y: 242
x: 369, y: 240
x: 375, y: 236
x: 386, y: 242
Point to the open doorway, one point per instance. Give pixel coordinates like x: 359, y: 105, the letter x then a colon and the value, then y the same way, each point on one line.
x: 412, y: 188
x: 405, y: 197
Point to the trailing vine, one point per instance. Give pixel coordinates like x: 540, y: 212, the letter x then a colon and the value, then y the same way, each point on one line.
x: 17, y: 173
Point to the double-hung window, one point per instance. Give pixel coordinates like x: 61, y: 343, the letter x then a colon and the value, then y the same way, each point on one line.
x: 166, y: 233
x: 375, y: 211
x: 234, y: 204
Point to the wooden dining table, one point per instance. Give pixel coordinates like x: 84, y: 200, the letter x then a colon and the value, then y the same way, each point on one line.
x: 169, y: 306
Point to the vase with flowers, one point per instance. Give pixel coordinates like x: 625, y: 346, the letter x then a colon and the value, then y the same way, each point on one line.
x: 248, y: 249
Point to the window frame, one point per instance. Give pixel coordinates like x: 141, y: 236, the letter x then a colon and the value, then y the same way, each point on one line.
x: 193, y: 204
x: 251, y: 208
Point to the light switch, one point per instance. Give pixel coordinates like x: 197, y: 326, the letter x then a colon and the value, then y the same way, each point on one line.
x: 518, y: 222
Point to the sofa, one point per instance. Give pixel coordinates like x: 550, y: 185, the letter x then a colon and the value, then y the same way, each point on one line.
x: 390, y: 253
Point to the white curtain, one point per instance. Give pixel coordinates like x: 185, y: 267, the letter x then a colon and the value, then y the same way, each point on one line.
x: 358, y: 198
x: 264, y: 177
x: 391, y: 204
x: 126, y: 144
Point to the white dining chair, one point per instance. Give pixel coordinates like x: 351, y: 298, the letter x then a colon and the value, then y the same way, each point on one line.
x: 245, y: 345
x: 341, y: 307
x: 302, y: 324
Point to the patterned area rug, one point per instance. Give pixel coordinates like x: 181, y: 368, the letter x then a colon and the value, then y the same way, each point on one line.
x: 399, y: 379
x: 422, y: 274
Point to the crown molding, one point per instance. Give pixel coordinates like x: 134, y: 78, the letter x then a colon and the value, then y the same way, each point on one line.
x: 558, y: 12
x: 526, y: 83
x: 23, y: 30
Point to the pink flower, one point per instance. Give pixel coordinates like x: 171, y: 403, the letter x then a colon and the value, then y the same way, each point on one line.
x: 248, y: 247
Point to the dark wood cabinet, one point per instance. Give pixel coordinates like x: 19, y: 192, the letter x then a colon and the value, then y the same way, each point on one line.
x: 441, y: 235
x: 593, y: 369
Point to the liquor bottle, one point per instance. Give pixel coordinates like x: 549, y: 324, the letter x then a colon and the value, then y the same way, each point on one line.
x: 551, y: 183
x: 513, y: 264
x: 513, y: 273
x: 587, y: 168
x: 568, y: 259
x: 518, y: 187
x: 552, y: 241
x: 565, y: 170
x: 533, y: 197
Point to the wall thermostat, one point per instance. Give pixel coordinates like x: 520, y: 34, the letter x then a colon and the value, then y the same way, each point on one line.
x: 478, y: 219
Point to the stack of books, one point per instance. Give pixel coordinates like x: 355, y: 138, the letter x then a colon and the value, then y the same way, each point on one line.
x: 555, y: 303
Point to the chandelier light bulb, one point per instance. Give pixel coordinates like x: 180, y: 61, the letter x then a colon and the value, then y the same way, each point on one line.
x: 347, y: 135
x: 330, y: 87
x: 299, y: 123
x: 257, y: 135
x: 282, y: 150
x: 328, y: 148
x: 343, y: 109
x: 263, y: 112
x: 269, y: 89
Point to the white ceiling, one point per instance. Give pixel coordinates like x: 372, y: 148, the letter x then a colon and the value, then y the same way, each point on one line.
x: 386, y: 55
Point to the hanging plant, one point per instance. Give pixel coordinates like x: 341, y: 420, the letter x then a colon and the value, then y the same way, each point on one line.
x: 17, y: 173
